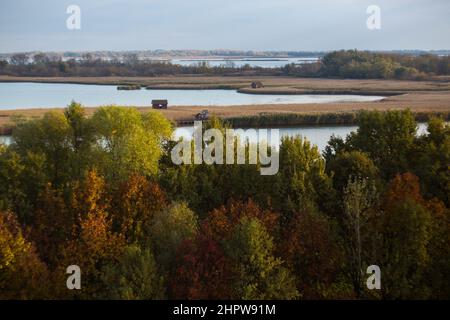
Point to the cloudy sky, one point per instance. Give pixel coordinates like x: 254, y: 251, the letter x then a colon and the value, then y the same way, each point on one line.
x: 27, y: 25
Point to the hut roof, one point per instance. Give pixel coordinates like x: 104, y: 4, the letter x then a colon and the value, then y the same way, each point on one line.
x: 159, y: 101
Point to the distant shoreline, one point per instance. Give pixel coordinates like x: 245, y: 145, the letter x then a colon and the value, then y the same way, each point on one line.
x: 273, y: 85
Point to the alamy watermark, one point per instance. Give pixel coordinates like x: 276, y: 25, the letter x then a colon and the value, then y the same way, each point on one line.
x: 208, y: 148
x: 74, y: 280
x: 374, y: 280
x: 374, y: 20
x: 73, y: 22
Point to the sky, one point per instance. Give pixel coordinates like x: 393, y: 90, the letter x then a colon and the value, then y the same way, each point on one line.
x: 297, y: 25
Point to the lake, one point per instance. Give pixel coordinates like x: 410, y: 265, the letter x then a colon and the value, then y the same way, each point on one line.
x: 5, y: 140
x: 49, y: 95
x: 240, y: 62
x: 318, y: 135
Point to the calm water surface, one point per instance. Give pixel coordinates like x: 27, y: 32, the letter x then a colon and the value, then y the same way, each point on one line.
x: 317, y: 135
x: 5, y: 140
x: 253, y: 62
x: 42, y: 95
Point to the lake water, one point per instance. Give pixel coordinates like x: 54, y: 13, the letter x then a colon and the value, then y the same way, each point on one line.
x: 253, y: 62
x: 5, y: 140
x: 317, y: 135
x: 47, y: 95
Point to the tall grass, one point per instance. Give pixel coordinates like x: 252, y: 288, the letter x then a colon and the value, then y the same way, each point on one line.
x: 296, y: 119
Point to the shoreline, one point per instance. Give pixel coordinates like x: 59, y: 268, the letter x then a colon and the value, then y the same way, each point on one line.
x: 271, y: 84
x: 261, y: 91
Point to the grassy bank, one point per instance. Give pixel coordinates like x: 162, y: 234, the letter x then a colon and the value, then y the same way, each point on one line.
x: 271, y: 120
x: 323, y: 92
x: 279, y: 84
x: 325, y: 119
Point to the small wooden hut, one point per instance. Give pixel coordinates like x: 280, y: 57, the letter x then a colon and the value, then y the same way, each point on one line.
x: 160, y: 104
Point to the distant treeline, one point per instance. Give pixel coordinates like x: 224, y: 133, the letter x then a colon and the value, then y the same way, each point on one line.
x: 338, y: 64
x: 295, y: 119
x: 158, y: 54
x: 130, y: 66
x: 368, y: 65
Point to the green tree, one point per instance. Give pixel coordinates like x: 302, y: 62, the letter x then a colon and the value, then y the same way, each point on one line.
x: 127, y: 141
x: 197, y: 184
x: 352, y: 164
x: 134, y: 277
x: 405, y: 239
x: 48, y: 136
x: 431, y: 158
x: 405, y: 231
x: 22, y: 179
x: 302, y: 179
x: 359, y: 197
x: 388, y: 138
x: 260, y: 276
x: 168, y: 229
x: 81, y: 136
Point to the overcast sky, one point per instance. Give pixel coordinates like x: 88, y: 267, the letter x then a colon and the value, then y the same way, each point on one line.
x: 308, y: 25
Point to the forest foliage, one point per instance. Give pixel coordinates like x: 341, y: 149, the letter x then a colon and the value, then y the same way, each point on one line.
x: 103, y: 194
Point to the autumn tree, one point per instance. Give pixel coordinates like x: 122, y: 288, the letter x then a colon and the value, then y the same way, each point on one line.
x: 221, y: 222
x: 52, y: 224
x: 405, y: 234
x: 311, y: 249
x: 438, y: 272
x: 95, y: 247
x: 93, y: 243
x: 202, y: 271
x: 89, y: 196
x: 133, y: 206
x: 22, y: 274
